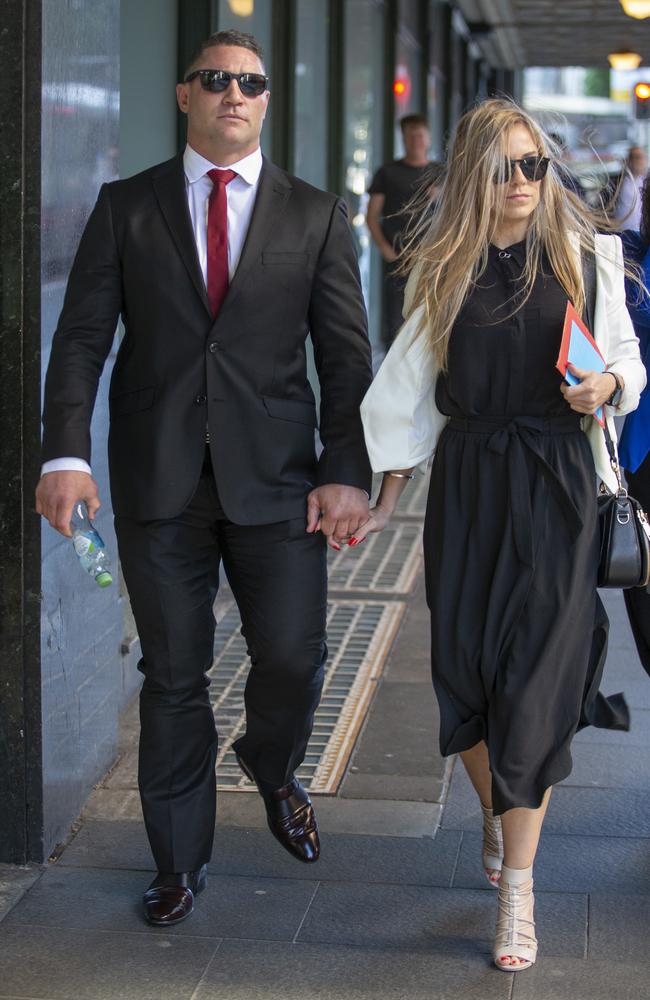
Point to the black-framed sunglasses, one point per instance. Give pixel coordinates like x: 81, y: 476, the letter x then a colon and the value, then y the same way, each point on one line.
x: 217, y: 80
x: 532, y: 167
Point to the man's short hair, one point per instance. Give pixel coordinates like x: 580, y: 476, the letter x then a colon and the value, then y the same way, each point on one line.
x: 240, y: 39
x: 413, y: 121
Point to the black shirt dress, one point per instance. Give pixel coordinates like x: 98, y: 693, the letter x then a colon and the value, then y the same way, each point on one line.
x: 519, y: 634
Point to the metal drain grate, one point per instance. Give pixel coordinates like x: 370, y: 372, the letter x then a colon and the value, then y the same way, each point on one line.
x: 385, y: 563
x: 359, y: 636
x: 413, y: 501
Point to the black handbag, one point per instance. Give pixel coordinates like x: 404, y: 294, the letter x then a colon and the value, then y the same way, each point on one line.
x: 624, y: 528
x: 624, y: 534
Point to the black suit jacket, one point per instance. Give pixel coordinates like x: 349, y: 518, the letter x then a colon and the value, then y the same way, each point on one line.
x: 244, y: 373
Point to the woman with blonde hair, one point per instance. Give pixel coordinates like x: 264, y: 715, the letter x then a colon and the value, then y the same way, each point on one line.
x: 511, y: 544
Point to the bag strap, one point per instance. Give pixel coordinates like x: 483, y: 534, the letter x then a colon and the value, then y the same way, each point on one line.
x: 589, y: 279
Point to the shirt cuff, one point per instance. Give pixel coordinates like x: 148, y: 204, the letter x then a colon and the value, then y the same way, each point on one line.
x: 65, y: 465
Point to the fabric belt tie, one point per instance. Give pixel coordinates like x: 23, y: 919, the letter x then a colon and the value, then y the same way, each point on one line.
x: 515, y: 436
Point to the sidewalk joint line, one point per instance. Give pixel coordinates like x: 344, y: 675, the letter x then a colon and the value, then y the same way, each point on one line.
x: 304, y: 916
x: 205, y: 971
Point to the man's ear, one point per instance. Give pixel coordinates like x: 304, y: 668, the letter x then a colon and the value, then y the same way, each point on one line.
x: 182, y: 96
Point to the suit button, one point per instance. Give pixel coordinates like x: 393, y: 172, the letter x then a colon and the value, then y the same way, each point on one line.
x: 214, y: 347
x: 200, y: 399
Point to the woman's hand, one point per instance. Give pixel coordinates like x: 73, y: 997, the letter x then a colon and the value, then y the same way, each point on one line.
x: 378, y: 518
x: 594, y: 389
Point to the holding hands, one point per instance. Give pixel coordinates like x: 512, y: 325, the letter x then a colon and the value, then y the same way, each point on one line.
x: 342, y: 516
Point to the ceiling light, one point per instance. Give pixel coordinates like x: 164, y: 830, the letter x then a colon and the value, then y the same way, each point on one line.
x: 624, y: 60
x: 636, y: 8
x: 242, y: 8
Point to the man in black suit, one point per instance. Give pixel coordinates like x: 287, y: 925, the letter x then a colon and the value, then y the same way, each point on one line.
x: 220, y: 265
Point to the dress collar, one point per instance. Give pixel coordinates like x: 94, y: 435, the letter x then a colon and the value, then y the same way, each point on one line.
x: 516, y: 252
x: 196, y: 166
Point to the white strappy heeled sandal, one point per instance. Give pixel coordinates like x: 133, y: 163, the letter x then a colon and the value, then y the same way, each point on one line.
x: 515, y: 934
x: 492, y: 846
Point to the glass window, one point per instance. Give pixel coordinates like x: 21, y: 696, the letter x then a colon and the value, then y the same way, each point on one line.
x: 363, y: 147
x: 253, y: 17
x: 436, y: 82
x: 408, y: 66
x: 310, y: 124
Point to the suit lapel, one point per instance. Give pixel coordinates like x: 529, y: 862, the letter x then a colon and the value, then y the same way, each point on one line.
x: 169, y: 186
x: 272, y: 195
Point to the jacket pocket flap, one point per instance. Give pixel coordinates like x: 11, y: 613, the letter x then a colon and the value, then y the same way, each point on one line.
x: 282, y: 257
x: 290, y: 409
x: 132, y: 401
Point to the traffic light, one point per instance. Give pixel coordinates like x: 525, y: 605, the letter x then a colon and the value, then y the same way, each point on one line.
x: 642, y: 101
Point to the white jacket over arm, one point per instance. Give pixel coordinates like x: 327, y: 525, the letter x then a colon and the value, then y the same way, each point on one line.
x: 402, y: 423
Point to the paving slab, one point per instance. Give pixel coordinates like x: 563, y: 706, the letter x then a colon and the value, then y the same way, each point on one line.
x: 418, y: 918
x: 572, y: 864
x: 400, y: 736
x: 610, y: 812
x: 93, y: 899
x: 637, y: 736
x: 619, y: 926
x: 597, y: 765
x: 244, y: 971
x: 566, y: 979
x: 637, y: 692
x: 15, y: 880
x: 424, y: 860
x: 59, y: 964
x: 393, y: 787
x: 410, y: 658
x: 376, y: 816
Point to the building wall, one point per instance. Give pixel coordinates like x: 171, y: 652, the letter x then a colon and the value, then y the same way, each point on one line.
x: 84, y: 678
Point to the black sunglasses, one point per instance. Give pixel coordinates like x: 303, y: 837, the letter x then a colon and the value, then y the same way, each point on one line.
x: 216, y: 80
x: 532, y: 167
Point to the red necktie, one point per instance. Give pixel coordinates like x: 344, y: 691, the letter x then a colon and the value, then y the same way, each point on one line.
x: 218, y: 238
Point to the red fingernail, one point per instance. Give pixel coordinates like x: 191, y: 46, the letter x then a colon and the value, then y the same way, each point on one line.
x: 353, y: 541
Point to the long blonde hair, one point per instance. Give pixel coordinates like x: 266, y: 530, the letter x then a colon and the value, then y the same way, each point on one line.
x: 449, y: 251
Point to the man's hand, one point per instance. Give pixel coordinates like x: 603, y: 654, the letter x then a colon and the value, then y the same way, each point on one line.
x: 338, y: 511
x: 58, y: 492
x: 594, y: 389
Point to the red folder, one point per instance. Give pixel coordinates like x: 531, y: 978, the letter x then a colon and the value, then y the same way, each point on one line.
x: 579, y: 347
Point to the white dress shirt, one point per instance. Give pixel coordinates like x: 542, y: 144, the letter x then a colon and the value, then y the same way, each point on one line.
x: 240, y: 197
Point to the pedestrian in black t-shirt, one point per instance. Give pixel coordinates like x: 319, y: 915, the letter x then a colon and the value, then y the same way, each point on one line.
x: 392, y: 188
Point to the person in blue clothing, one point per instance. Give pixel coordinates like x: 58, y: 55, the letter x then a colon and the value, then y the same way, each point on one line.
x: 634, y: 446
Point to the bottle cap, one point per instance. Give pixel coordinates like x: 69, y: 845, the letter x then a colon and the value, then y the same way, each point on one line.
x: 104, y: 579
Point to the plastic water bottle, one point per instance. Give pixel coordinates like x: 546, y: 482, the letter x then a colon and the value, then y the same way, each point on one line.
x: 89, y: 546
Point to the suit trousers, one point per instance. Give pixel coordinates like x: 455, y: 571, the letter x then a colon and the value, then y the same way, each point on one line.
x: 278, y: 577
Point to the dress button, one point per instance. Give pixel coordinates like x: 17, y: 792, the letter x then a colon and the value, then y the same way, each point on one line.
x: 200, y: 399
x: 214, y: 347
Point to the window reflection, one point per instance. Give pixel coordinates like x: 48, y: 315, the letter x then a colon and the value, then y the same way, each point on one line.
x: 310, y: 127
x: 363, y: 147
x: 253, y: 17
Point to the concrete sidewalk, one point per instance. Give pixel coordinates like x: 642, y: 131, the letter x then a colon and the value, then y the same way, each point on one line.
x: 398, y: 906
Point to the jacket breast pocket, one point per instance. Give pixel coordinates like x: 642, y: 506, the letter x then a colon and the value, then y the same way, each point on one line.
x: 274, y: 257
x: 132, y: 401
x: 290, y: 409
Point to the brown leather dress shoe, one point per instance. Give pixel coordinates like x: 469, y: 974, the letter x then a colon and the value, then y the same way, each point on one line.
x: 170, y: 897
x: 290, y: 816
